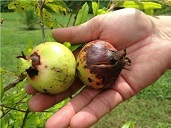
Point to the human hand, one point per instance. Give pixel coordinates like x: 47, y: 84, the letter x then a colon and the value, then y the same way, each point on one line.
x: 147, y: 47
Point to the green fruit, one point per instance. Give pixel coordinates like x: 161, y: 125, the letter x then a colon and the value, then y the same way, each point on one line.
x: 99, y: 64
x: 53, y: 68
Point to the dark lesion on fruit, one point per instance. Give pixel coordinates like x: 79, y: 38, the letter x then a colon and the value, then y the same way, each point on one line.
x: 58, y: 70
x: 90, y: 80
x: 121, y: 59
x: 35, y: 59
x: 45, y: 90
x: 109, y: 71
x: 117, y: 67
x: 32, y: 72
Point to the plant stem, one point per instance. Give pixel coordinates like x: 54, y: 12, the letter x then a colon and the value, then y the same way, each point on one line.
x: 25, y: 118
x: 41, y: 6
x: 2, y: 105
x: 14, y: 83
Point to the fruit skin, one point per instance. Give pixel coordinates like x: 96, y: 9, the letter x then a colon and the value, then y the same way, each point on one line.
x: 99, y: 64
x: 53, y: 68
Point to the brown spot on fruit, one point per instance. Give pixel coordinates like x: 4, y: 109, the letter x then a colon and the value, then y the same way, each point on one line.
x: 35, y: 59
x: 90, y: 80
x: 32, y: 72
x: 100, y: 64
x: 45, y: 90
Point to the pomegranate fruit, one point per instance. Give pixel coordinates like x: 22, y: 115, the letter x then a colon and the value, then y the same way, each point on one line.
x: 53, y: 68
x: 99, y: 64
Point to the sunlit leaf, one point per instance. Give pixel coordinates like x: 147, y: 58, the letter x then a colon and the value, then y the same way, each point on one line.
x: 102, y: 11
x: 72, y: 47
x: 24, y: 64
x: 62, y: 4
x: 29, y: 47
x: 141, y: 5
x: 37, y: 10
x: 128, y: 125
x: 67, y: 44
x: 95, y: 7
x: 19, y: 5
x: 149, y: 11
x: 82, y: 15
x: 56, y: 8
x: 53, y: 7
x: 47, y: 17
x: 49, y: 1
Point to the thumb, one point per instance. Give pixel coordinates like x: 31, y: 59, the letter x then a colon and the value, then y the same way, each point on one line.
x: 78, y: 34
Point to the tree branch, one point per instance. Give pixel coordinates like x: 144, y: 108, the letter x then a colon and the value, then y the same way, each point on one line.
x: 41, y: 6
x: 3, y: 105
x: 25, y: 117
x: 14, y: 83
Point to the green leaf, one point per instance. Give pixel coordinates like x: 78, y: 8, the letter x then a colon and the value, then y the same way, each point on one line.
x: 149, y: 11
x: 102, y: 11
x: 19, y: 5
x: 48, y: 1
x: 57, y: 6
x: 82, y: 15
x: 47, y: 17
x: 67, y: 44
x: 29, y: 47
x: 56, y: 24
x: 24, y: 64
x: 13, y: 97
x: 1, y: 88
x: 128, y: 125
x: 75, y: 46
x: 72, y: 47
x: 95, y: 7
x: 141, y: 5
x: 53, y: 7
x: 62, y: 4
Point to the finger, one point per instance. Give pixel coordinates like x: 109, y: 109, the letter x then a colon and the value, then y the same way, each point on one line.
x: 62, y: 118
x: 102, y: 104
x: 78, y: 34
x: 37, y: 102
x: 30, y: 90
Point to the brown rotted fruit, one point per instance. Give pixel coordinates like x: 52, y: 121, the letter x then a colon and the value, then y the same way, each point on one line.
x: 99, y: 64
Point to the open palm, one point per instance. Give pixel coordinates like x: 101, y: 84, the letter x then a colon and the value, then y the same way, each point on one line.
x: 124, y: 28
